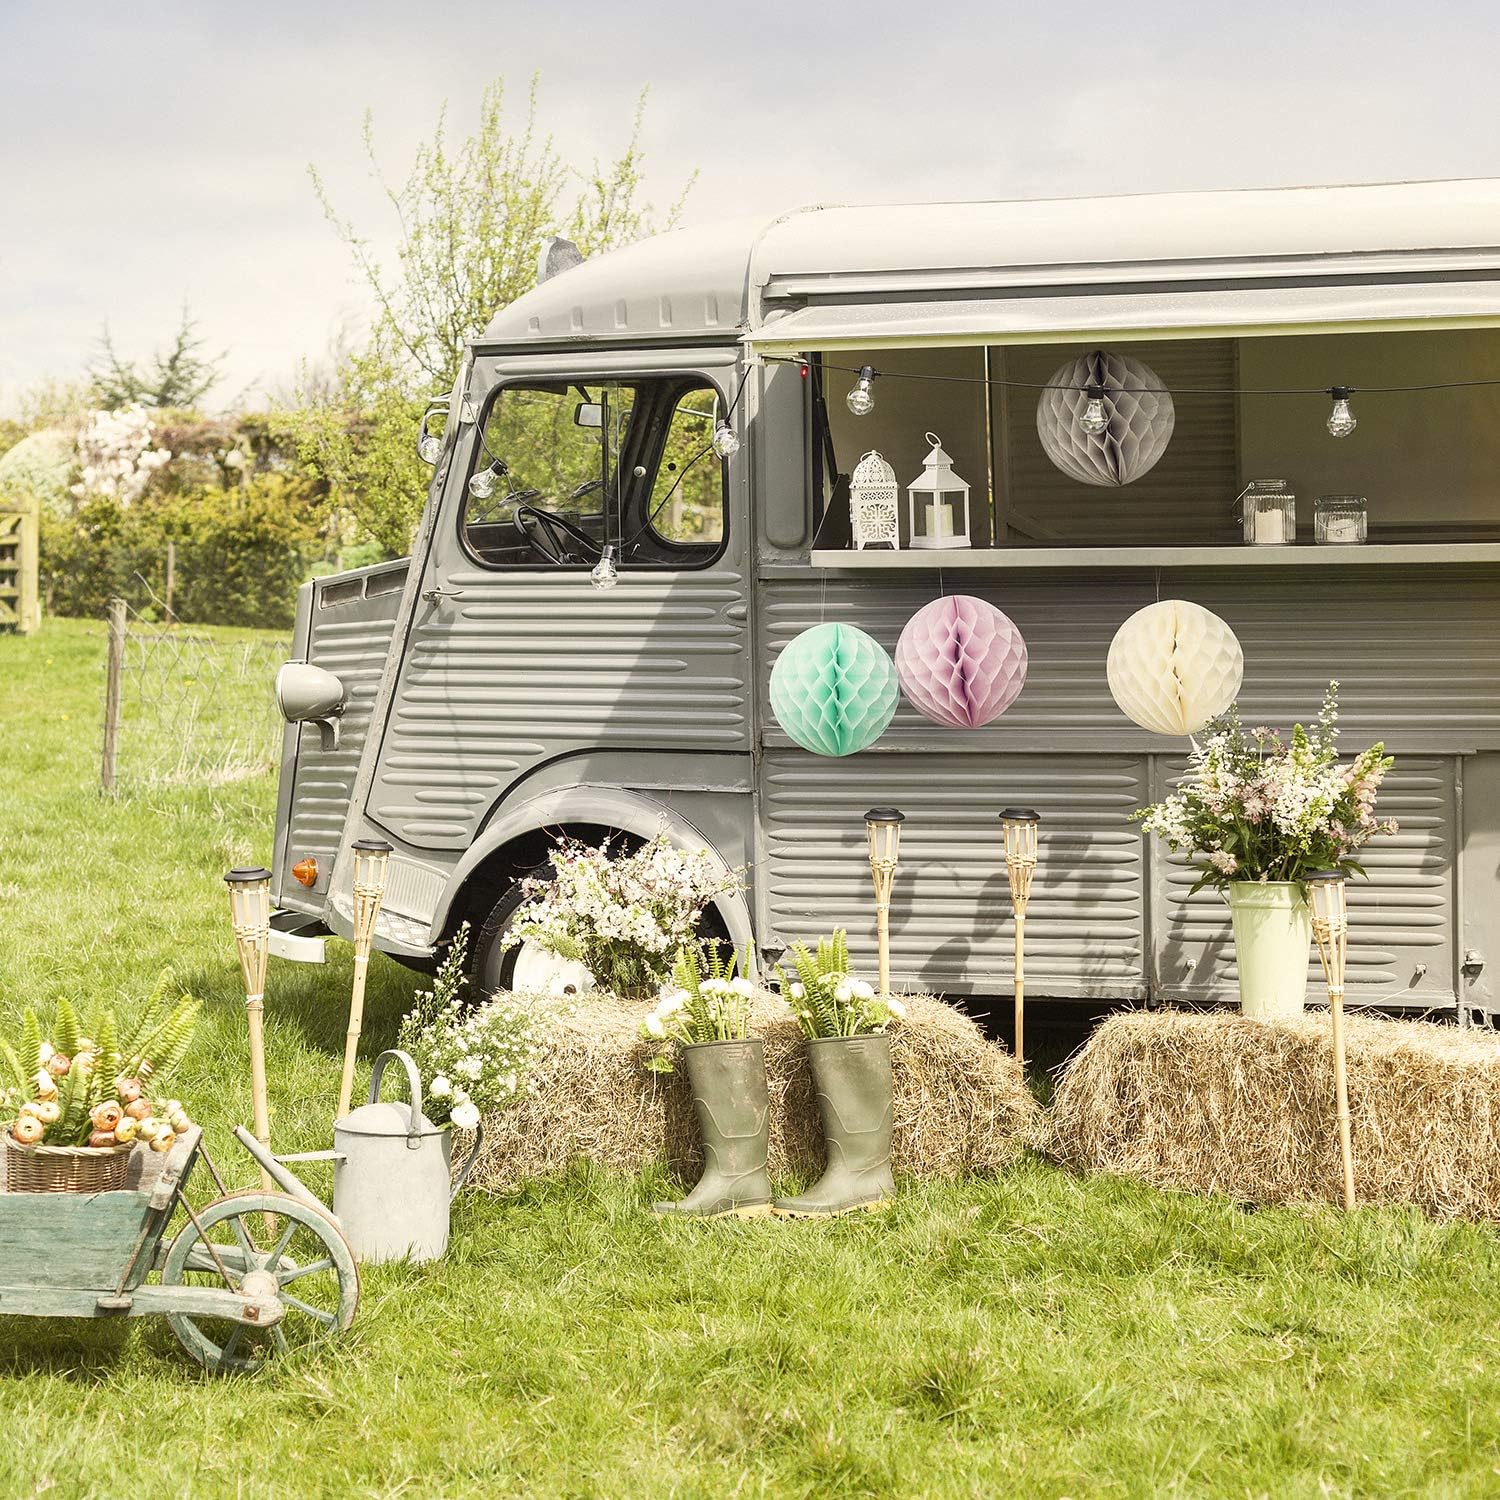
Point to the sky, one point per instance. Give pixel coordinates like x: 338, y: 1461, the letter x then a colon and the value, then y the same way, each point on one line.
x: 155, y: 155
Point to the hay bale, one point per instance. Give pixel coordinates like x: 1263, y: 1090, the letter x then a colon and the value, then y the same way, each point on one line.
x: 961, y: 1102
x: 1218, y: 1104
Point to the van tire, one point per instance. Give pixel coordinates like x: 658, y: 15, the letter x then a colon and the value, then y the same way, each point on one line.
x: 491, y: 966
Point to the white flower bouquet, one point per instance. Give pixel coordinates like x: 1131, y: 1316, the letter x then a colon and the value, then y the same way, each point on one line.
x: 1255, y: 807
x: 700, y: 1007
x: 827, y: 999
x: 471, y: 1061
x: 623, y: 916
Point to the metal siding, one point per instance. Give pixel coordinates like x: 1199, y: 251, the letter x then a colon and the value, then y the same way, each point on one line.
x: 530, y: 666
x: 351, y: 639
x: 950, y: 910
x: 1400, y: 920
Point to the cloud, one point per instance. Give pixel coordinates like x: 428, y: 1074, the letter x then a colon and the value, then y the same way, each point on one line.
x: 159, y: 154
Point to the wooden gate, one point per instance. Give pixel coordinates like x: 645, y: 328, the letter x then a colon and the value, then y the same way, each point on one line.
x: 20, y: 604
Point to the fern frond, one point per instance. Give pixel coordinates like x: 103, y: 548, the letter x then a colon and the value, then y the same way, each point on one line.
x: 175, y: 1039
x: 66, y: 1032
x: 106, y: 1033
x: 31, y: 1042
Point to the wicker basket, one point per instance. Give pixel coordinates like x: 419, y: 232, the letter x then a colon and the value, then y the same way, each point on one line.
x: 65, y: 1169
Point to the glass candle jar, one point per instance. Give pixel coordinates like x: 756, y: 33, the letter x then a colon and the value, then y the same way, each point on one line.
x: 1340, y: 520
x: 1269, y: 509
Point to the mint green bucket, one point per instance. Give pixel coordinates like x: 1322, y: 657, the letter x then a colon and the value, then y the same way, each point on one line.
x: 1272, y: 946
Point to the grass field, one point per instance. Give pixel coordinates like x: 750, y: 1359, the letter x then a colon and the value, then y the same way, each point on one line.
x: 1031, y: 1335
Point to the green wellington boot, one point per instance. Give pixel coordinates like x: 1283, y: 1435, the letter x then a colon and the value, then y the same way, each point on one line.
x: 852, y: 1076
x: 728, y: 1081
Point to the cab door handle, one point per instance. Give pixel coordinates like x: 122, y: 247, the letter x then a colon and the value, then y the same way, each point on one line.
x: 437, y: 592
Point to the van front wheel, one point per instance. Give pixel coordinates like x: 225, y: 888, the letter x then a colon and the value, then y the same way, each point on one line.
x: 525, y: 968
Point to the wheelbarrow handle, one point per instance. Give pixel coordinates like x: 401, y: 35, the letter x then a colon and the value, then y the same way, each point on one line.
x: 288, y: 1182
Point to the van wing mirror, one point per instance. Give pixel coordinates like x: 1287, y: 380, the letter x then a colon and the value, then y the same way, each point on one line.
x: 589, y: 414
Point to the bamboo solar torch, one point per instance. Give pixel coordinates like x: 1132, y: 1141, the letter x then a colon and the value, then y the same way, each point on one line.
x: 1020, y: 825
x: 1330, y: 925
x: 883, y: 834
x: 250, y: 915
x: 371, y: 861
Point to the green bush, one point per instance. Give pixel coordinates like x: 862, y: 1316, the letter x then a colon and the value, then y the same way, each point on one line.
x: 241, y: 552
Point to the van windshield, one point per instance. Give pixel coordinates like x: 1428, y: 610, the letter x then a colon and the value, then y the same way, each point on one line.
x: 563, y: 468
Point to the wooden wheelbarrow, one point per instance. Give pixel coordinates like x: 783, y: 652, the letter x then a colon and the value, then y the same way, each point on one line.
x: 246, y: 1276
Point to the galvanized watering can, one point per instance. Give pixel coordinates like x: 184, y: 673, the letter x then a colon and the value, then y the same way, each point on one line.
x: 392, y: 1180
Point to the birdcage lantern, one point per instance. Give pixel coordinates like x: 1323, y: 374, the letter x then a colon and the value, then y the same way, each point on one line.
x: 937, y: 502
x: 874, y: 504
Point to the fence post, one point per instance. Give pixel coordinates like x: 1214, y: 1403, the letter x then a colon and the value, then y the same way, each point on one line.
x: 113, y: 682
x: 171, y: 582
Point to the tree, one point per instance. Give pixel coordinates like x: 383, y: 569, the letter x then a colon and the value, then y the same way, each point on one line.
x: 470, y: 224
x: 178, y: 376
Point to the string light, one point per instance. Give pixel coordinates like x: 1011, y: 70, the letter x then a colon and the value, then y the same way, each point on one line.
x: 1094, y: 419
x: 606, y: 572
x: 482, y: 483
x: 726, y: 442
x: 1341, y: 421
x: 861, y: 400
x: 429, y: 448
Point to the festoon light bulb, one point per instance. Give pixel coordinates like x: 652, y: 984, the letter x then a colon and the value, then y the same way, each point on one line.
x: 482, y: 483
x: 606, y: 573
x: 429, y: 448
x: 861, y: 400
x: 725, y: 440
x: 1341, y: 421
x: 1095, y: 418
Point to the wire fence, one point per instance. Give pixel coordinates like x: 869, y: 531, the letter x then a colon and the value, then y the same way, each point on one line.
x: 187, y: 705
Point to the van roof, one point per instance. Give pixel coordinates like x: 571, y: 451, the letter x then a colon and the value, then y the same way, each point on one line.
x: 740, y: 278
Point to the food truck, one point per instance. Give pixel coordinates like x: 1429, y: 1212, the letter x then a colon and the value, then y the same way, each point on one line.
x: 641, y: 496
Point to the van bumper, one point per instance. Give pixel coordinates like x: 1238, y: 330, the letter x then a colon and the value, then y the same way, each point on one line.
x: 298, y: 937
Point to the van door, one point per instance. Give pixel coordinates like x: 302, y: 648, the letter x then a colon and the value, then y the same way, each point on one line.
x: 514, y: 658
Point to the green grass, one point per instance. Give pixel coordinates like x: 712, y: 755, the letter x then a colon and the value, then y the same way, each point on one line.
x: 1031, y: 1335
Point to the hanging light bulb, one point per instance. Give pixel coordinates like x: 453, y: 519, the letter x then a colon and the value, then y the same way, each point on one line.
x: 429, y: 448
x: 726, y: 440
x: 1341, y: 421
x: 861, y: 400
x: 482, y: 484
x: 606, y: 572
x: 1095, y: 418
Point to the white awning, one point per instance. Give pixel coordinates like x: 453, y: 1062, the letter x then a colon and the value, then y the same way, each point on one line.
x: 1195, y: 312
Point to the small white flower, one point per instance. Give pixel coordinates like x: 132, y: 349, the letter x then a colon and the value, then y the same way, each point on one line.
x: 895, y: 1007
x: 440, y: 1088
x: 653, y: 1026
x: 862, y: 988
x: 798, y: 991
x: 843, y: 992
x: 742, y: 987
x: 465, y: 1115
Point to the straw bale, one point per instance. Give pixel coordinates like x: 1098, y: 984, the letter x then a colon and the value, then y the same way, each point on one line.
x: 1214, y: 1103
x: 961, y: 1103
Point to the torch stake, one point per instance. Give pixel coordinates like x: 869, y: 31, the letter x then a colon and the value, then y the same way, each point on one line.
x: 250, y: 917
x: 1020, y: 864
x: 1330, y: 924
x: 371, y: 859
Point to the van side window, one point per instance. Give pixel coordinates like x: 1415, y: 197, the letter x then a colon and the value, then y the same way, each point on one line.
x: 562, y: 468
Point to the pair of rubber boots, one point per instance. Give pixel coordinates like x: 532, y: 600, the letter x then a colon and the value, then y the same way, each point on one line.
x: 852, y: 1078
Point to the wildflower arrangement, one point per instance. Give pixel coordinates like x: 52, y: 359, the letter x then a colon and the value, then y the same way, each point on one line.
x: 623, y: 916
x: 827, y: 999
x: 100, y: 1087
x: 470, y: 1061
x: 1256, y: 807
x: 707, y: 1001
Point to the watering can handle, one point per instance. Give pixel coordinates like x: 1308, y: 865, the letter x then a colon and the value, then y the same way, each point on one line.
x: 414, y: 1083
x: 469, y: 1160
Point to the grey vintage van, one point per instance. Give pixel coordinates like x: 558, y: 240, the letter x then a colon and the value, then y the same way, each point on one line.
x: 486, y: 694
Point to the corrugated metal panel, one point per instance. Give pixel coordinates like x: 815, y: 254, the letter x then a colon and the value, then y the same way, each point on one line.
x: 1401, y: 920
x: 529, y: 666
x: 350, y: 637
x: 1417, y: 653
x: 950, y: 912
x: 1183, y: 501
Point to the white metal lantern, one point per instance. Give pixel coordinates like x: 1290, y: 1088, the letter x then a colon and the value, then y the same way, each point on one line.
x: 938, y: 502
x: 873, y: 497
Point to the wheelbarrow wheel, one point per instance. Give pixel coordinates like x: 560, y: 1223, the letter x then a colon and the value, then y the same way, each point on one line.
x: 302, y: 1247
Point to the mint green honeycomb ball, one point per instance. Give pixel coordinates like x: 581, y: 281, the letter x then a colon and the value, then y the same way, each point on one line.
x: 834, y: 689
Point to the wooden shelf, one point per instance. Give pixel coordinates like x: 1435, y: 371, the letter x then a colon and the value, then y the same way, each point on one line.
x: 985, y: 559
